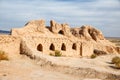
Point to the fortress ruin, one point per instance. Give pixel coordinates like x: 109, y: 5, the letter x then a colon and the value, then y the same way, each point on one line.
x: 73, y: 42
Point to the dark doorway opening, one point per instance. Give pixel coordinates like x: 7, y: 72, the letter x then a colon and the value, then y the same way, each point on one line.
x: 61, y: 32
x: 52, y: 47
x: 40, y: 47
x: 63, y: 47
x: 74, y: 46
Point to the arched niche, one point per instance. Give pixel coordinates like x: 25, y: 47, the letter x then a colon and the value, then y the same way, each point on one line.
x: 61, y: 32
x: 74, y: 46
x: 40, y: 47
x: 63, y: 47
x: 52, y: 47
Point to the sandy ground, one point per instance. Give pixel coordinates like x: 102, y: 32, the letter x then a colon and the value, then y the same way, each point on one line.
x: 26, y: 69
x: 20, y: 70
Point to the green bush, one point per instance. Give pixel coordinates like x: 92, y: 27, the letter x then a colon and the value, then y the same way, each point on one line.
x: 57, y: 53
x: 116, y: 60
x: 3, y: 56
x: 93, y: 56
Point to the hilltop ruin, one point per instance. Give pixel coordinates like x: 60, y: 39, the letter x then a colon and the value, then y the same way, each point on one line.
x: 74, y: 42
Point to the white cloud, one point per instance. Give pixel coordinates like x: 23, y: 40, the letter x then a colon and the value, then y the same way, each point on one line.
x: 103, y: 14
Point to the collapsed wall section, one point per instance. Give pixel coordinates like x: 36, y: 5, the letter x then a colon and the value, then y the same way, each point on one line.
x: 30, y: 27
x: 10, y: 45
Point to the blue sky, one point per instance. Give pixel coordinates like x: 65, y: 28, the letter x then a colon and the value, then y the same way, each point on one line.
x: 102, y: 14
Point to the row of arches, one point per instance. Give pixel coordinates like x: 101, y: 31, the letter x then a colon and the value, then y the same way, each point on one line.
x: 52, y: 47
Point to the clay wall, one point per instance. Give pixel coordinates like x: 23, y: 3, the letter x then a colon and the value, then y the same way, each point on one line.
x: 49, y: 45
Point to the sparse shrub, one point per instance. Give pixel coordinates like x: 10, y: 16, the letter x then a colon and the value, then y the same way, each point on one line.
x: 116, y: 60
x: 57, y: 53
x: 51, y: 54
x: 117, y: 65
x: 93, y: 56
x: 3, y: 56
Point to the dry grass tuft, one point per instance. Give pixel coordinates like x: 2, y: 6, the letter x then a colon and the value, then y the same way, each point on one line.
x: 116, y: 61
x: 57, y: 53
x: 93, y: 56
x: 3, y: 56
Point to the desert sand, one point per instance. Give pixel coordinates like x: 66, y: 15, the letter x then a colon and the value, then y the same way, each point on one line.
x: 59, y: 68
